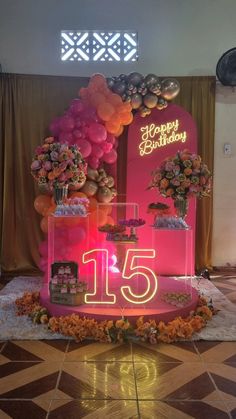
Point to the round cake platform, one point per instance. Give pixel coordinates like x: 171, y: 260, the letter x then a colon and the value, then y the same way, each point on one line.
x: 156, y: 309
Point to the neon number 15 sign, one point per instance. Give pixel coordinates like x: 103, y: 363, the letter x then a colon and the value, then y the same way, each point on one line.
x: 132, y: 270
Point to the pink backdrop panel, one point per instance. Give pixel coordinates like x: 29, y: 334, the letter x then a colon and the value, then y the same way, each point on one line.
x: 150, y: 140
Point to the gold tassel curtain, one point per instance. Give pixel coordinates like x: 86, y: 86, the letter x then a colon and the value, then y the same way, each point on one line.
x: 27, y: 106
x: 197, y: 96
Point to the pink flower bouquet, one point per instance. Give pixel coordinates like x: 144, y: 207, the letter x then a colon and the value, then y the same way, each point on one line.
x: 182, y: 176
x: 56, y: 164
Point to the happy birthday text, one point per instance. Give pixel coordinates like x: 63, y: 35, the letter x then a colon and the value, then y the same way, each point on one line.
x: 155, y: 136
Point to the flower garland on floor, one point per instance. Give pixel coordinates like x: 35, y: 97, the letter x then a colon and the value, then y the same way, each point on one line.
x: 81, y: 328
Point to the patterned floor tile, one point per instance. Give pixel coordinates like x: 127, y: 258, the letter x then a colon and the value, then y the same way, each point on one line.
x: 232, y: 408
x: 186, y: 381
x: 224, y: 377
x: 99, y: 352
x: 94, y: 409
x: 2, y: 344
x: 12, y: 367
x: 182, y: 352
x: 216, y: 351
x: 97, y: 380
x: 31, y: 382
x: 20, y: 409
x: 35, y: 350
x: 14, y: 352
x: 182, y: 410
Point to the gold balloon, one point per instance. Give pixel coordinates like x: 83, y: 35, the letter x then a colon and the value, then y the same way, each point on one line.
x: 150, y: 100
x: 104, y: 195
x: 170, y: 88
x: 90, y: 188
x: 92, y: 174
x: 77, y: 185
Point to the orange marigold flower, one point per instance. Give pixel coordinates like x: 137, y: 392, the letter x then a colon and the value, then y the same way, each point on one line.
x: 110, y: 324
x: 120, y: 324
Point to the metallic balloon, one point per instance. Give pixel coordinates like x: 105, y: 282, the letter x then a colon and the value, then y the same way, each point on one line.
x: 119, y: 87
x: 170, y: 88
x: 104, y: 195
x: 161, y: 101
x: 110, y: 83
x: 150, y: 100
x: 110, y: 181
x: 92, y: 174
x: 135, y: 78
x: 136, y: 100
x: 151, y: 79
x: 78, y: 185
x: 155, y: 88
x: 143, y: 111
x: 90, y: 188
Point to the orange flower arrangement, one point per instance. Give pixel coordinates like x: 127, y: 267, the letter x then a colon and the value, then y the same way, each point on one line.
x: 120, y: 330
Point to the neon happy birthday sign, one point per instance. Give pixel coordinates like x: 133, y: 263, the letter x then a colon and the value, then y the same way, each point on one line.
x: 156, y: 136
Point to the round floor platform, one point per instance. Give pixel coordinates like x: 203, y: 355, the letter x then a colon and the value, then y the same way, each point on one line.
x: 156, y: 309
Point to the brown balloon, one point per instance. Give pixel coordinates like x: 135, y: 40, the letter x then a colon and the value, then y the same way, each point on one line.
x: 90, y: 188
x: 150, y: 100
x: 136, y: 100
x: 104, y: 195
x: 110, y: 181
x: 78, y: 185
x: 151, y: 79
x: 170, y: 88
x: 92, y: 174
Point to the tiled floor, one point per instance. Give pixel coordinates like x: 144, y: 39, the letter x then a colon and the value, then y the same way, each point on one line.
x: 62, y: 379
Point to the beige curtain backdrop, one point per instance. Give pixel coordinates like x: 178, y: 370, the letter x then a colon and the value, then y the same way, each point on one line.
x: 27, y: 105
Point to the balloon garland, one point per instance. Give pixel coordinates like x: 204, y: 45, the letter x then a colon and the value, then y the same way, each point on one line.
x: 93, y: 122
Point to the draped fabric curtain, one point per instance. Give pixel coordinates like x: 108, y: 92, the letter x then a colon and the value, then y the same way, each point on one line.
x: 27, y: 105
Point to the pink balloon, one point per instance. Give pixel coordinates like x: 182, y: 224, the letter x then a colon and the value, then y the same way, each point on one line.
x: 93, y: 162
x: 65, y: 137
x: 43, y: 248
x: 111, y: 138
x: 97, y: 151
x: 85, y: 147
x: 54, y: 126
x: 67, y: 123
x: 76, y: 106
x: 89, y: 115
x: 106, y: 147
x: 110, y: 157
x: 78, y: 123
x: 43, y: 264
x: 97, y: 133
x: 77, y: 133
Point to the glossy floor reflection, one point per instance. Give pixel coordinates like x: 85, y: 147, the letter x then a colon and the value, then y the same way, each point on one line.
x: 63, y: 379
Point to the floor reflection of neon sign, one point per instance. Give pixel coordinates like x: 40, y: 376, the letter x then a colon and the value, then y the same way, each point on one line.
x: 131, y: 271
x: 155, y: 136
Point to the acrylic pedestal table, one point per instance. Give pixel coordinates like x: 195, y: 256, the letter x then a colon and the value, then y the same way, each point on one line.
x: 122, y: 278
x: 175, y: 251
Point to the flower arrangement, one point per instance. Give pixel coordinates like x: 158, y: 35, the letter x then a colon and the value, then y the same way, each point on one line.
x: 182, y: 176
x: 56, y: 164
x: 81, y: 328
